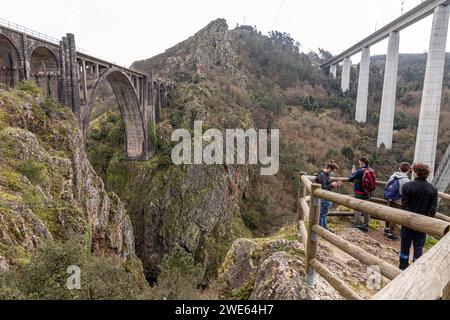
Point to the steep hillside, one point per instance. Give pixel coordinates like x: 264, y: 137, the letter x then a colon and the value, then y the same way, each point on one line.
x: 50, y: 196
x: 240, y: 79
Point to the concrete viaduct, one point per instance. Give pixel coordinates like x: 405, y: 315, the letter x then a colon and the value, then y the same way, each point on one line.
x: 427, y: 134
x: 72, y: 77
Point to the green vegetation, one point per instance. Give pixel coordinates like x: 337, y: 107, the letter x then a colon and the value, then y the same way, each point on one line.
x: 179, y: 276
x: 45, y: 276
x: 29, y: 87
x: 35, y: 172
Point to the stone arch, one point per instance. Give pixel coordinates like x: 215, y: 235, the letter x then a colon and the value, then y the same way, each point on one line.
x: 44, y: 70
x: 9, y: 63
x: 127, y: 98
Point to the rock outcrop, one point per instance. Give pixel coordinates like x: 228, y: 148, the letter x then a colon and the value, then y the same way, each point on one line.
x: 264, y: 269
x: 48, y: 189
x: 273, y: 269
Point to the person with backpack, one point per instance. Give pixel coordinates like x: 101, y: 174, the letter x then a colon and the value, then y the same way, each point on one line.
x: 324, y: 179
x: 393, y: 193
x: 365, y: 185
x: 420, y: 197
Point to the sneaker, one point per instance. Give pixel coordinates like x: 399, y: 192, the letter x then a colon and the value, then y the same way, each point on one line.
x: 387, y: 232
x: 363, y: 228
x: 392, y: 237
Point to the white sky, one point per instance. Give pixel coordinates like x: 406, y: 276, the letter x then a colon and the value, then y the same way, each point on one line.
x: 130, y: 30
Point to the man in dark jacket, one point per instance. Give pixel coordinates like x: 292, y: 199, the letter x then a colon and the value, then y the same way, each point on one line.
x: 421, y: 197
x: 324, y: 179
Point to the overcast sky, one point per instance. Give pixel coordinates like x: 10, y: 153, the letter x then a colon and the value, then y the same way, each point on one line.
x: 128, y: 30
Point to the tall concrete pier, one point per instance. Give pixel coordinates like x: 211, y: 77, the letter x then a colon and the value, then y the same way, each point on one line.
x: 346, y: 69
x: 333, y: 71
x: 363, y: 86
x: 386, y: 127
x: 432, y: 90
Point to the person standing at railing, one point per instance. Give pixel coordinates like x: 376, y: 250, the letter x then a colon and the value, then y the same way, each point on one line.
x: 324, y: 179
x: 365, y: 184
x: 421, y: 197
x: 393, y: 193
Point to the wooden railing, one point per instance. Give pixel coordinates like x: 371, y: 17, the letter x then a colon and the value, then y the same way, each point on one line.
x: 427, y: 278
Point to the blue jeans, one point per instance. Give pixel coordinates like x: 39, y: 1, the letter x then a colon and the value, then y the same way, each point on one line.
x: 410, y: 237
x: 325, y: 207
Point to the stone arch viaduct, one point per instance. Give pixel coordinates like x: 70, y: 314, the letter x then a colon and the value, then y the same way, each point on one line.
x: 72, y: 77
x: 427, y: 135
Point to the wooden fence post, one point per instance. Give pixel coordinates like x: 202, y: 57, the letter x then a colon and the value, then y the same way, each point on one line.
x: 312, y: 241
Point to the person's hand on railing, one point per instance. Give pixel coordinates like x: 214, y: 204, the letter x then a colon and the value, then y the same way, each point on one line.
x: 337, y: 184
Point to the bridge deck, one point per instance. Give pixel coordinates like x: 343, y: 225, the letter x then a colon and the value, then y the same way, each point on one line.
x: 418, y: 13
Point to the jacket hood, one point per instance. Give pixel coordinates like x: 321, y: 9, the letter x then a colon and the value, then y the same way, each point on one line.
x: 400, y: 175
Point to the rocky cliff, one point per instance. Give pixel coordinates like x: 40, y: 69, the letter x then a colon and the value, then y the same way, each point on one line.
x: 48, y: 189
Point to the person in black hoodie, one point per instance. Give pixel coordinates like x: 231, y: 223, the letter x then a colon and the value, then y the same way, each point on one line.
x: 421, y: 197
x: 324, y: 179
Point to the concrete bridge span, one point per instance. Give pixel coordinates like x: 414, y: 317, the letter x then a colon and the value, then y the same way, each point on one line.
x: 73, y: 76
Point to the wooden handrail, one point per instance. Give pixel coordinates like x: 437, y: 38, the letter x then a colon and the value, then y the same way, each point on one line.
x: 439, y: 215
x: 307, y: 182
x: 303, y: 210
x: 388, y: 270
x: 337, y: 283
x: 427, y: 278
x: 312, y: 241
x: 304, y: 206
x: 431, y: 226
x: 313, y: 179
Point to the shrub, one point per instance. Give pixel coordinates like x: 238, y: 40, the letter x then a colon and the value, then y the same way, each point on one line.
x: 347, y: 152
x: 45, y: 276
x: 29, y: 87
x: 179, y: 276
x: 401, y: 121
x: 34, y: 171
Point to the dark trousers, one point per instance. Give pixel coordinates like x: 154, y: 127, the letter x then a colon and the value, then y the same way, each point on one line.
x: 408, y: 237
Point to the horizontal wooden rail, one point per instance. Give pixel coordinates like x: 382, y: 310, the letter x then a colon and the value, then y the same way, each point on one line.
x: 305, y: 208
x: 442, y: 217
x: 303, y: 232
x: 307, y: 182
x: 341, y: 214
x: 388, y: 270
x: 337, y: 283
x: 426, y: 279
x: 439, y: 216
x: 444, y: 196
x: 313, y: 179
x: 430, y: 226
